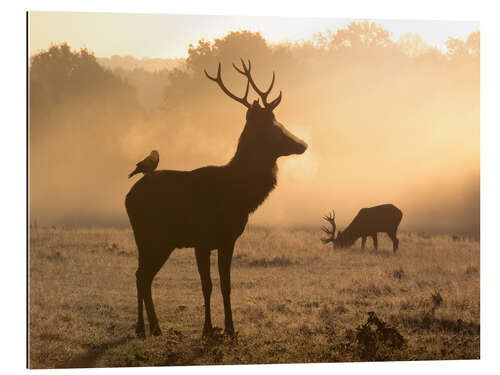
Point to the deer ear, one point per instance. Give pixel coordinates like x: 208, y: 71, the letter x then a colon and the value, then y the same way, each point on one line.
x: 254, y: 109
x: 250, y: 112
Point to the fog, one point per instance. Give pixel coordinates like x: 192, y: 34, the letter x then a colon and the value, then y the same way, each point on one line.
x: 383, y: 126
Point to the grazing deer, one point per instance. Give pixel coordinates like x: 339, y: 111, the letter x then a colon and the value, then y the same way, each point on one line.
x: 368, y: 222
x: 208, y: 208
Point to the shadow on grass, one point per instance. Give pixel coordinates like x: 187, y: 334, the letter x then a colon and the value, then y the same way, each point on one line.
x: 428, y: 322
x: 355, y: 250
x: 279, y: 261
x: 171, y: 349
x: 89, y: 358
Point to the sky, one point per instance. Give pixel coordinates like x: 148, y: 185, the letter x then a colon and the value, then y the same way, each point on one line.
x: 168, y: 36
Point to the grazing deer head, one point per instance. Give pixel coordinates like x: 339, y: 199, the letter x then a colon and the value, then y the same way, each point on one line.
x: 330, y: 218
x: 337, y: 241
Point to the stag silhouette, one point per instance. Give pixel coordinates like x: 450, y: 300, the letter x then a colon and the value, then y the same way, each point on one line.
x: 208, y: 208
x: 368, y: 222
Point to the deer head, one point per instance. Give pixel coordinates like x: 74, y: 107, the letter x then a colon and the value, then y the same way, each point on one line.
x: 263, y: 137
x: 336, y: 241
x: 330, y: 218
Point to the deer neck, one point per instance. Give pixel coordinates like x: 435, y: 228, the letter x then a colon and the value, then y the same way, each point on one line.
x: 254, y: 175
x: 349, y: 237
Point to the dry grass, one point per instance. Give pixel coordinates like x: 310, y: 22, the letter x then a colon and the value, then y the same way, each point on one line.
x: 294, y: 300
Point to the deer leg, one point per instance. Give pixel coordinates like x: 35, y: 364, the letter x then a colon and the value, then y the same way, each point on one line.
x: 203, y: 262
x: 139, y: 329
x: 395, y: 241
x: 148, y: 268
x: 363, y: 242
x: 375, y: 241
x: 224, y: 259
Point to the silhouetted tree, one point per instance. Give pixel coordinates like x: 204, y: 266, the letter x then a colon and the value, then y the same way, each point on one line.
x: 185, y: 84
x: 459, y: 49
x: 362, y: 34
x: 413, y: 44
x: 235, y: 45
x: 60, y: 76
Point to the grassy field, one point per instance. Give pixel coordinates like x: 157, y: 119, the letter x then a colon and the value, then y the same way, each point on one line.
x: 294, y: 300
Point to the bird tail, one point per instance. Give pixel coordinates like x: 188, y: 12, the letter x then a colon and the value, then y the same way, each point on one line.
x: 134, y: 172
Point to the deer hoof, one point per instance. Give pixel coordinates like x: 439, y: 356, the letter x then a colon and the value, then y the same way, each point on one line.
x: 155, y: 331
x: 230, y: 336
x: 140, y: 332
x: 211, y: 334
x: 141, y: 335
x: 207, y: 332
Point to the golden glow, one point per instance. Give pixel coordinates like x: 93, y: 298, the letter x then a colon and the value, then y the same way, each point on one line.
x: 378, y: 132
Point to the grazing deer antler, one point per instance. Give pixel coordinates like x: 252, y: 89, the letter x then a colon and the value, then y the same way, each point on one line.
x: 331, y: 219
x: 262, y: 94
x: 218, y: 79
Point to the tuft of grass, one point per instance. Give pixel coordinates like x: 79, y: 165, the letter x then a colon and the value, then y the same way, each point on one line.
x: 57, y: 256
x: 376, y: 341
x: 437, y: 300
x: 113, y: 247
x: 471, y: 271
x: 398, y: 274
x: 279, y: 261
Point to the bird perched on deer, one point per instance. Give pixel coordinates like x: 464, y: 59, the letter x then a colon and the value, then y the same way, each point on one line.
x: 147, y: 165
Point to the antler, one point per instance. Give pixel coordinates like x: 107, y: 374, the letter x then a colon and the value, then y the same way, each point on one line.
x: 331, y: 219
x: 218, y: 79
x: 262, y: 94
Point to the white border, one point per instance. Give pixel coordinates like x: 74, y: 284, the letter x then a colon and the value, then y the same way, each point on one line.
x: 13, y: 344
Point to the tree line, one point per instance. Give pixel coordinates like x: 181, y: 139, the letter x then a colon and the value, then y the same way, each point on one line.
x: 93, y: 121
